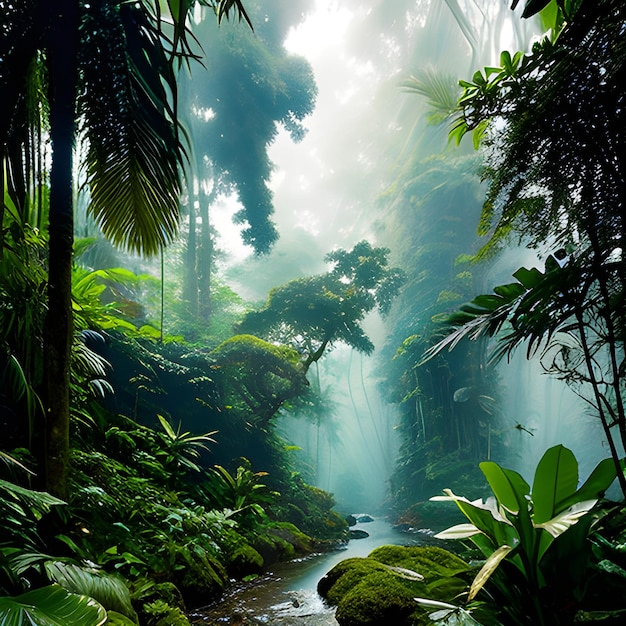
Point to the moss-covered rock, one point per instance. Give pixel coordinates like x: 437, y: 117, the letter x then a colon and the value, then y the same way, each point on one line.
x: 280, y: 541
x: 301, y: 542
x: 381, y: 589
x: 244, y: 560
x: 380, y: 599
x: 273, y: 548
x: 430, y: 561
x: 344, y: 576
x: 311, y: 510
x: 199, y: 577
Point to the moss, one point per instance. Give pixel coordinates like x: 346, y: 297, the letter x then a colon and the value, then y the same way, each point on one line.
x: 429, y: 561
x: 148, y: 591
x: 345, y: 575
x: 244, y: 560
x: 378, y: 600
x: 273, y: 548
x: 367, y: 592
x: 199, y: 577
x: 310, y: 509
x: 291, y: 534
x: 160, y: 613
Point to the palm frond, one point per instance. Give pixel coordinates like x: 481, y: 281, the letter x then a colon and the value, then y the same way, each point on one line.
x: 442, y: 92
x: 134, y: 152
x: 534, y: 309
x: 224, y: 7
x: 40, y: 501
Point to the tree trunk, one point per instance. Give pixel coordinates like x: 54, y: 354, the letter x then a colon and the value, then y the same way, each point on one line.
x: 205, y: 259
x: 190, y: 272
x: 62, y: 48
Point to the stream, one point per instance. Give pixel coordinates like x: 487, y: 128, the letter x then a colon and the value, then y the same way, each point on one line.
x: 287, y: 595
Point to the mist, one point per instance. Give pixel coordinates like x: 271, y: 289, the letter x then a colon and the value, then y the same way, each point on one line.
x: 275, y: 276
x: 331, y: 189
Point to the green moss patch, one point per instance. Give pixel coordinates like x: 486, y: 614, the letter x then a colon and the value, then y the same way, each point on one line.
x: 381, y: 589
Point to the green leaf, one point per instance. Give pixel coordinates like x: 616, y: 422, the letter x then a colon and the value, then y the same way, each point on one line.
x: 479, y: 133
x: 505, y: 61
x: 488, y: 301
x: 167, y: 427
x: 509, y: 291
x: 109, y: 590
x: 508, y: 486
x: 534, y: 6
x: 594, y: 487
x: 478, y: 78
x: 51, y: 606
x: 40, y: 500
x: 528, y: 277
x: 117, y: 619
x: 556, y: 479
x: 512, y: 492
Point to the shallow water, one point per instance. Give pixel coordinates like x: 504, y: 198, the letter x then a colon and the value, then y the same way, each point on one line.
x: 287, y: 595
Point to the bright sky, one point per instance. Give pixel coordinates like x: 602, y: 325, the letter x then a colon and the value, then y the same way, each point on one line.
x: 324, y: 28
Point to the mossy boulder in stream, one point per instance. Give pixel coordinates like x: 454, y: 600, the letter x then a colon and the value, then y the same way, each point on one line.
x: 379, y: 590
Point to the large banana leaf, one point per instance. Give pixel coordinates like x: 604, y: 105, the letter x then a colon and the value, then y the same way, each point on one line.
x: 51, y: 606
x: 109, y: 590
x: 520, y: 526
x: 511, y: 491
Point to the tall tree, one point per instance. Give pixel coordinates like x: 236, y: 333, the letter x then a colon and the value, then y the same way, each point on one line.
x: 109, y: 69
x: 256, y: 86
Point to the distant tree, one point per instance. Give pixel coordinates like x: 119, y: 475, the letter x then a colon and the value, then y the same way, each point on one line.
x: 446, y: 418
x: 314, y: 313
x: 254, y: 86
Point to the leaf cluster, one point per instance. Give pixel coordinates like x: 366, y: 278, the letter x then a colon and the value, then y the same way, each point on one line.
x: 527, y: 527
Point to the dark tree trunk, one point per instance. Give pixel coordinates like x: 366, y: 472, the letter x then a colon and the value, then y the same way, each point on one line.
x: 190, y: 272
x: 205, y: 260
x: 62, y: 49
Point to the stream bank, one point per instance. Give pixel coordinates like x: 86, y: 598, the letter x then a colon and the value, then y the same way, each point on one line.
x: 287, y: 595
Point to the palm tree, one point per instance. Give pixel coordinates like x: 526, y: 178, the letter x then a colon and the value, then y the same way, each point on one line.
x: 109, y: 69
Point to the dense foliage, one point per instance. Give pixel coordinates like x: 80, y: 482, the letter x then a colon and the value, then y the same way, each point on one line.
x: 145, y: 527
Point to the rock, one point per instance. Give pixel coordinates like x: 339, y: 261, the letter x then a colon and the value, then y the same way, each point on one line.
x: 358, y: 534
x: 363, y: 518
x: 351, y: 520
